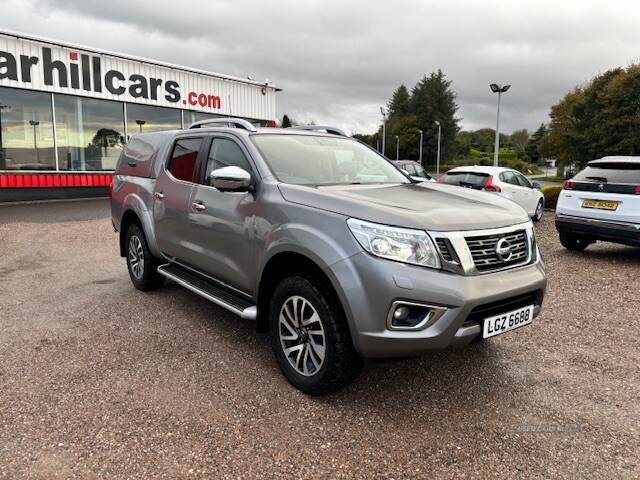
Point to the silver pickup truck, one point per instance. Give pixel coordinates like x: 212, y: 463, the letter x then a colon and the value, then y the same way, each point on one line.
x: 323, y: 243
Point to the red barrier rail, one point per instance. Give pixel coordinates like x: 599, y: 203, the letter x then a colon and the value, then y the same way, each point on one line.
x: 54, y: 180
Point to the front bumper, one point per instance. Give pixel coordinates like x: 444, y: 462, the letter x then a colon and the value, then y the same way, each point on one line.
x: 596, y: 229
x: 368, y: 286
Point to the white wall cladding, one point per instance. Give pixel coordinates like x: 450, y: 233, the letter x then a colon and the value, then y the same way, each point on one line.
x: 237, y: 97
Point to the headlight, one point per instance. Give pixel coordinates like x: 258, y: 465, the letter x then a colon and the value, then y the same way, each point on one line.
x: 399, y: 244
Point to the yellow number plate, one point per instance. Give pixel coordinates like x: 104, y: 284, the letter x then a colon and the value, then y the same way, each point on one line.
x: 600, y: 204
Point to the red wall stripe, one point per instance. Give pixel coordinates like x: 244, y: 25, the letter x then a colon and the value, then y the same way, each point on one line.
x: 65, y: 180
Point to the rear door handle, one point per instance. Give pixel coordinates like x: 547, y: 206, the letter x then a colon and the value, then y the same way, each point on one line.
x: 159, y: 195
x: 198, y: 206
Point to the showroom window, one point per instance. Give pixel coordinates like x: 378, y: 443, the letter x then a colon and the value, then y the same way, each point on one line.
x: 193, y: 117
x: 26, y: 130
x: 144, y: 118
x: 89, y: 133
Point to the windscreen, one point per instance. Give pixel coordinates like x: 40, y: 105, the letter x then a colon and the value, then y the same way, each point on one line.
x: 311, y: 160
x: 613, y: 172
x: 466, y: 179
x: 420, y: 172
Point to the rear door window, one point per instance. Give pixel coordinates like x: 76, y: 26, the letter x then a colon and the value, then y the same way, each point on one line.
x: 184, y: 157
x: 466, y: 179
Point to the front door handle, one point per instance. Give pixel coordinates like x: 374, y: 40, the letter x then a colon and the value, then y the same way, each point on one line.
x: 198, y: 206
x: 158, y: 195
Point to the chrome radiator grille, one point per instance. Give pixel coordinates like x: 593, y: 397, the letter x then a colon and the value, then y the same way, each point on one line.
x: 498, y: 251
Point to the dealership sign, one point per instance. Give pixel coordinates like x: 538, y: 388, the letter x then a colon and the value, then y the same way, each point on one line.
x: 36, y: 64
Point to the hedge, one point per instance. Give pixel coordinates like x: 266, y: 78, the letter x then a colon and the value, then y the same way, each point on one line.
x: 551, y: 193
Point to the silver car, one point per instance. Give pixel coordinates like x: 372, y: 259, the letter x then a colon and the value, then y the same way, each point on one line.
x: 324, y: 243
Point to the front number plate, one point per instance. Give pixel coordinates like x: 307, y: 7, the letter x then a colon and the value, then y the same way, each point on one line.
x: 507, y: 321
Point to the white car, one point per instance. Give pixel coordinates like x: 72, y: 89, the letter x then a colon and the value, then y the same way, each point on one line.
x: 602, y: 202
x: 505, y: 182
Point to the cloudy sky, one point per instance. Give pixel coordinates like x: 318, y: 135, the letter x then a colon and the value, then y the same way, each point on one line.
x: 338, y: 61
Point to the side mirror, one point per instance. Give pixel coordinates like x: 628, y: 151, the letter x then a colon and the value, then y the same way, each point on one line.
x: 415, y: 178
x: 230, y: 179
x: 536, y: 185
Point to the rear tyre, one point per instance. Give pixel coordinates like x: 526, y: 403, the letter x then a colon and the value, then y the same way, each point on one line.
x: 310, y: 337
x: 537, y: 216
x: 142, y: 265
x: 574, y: 242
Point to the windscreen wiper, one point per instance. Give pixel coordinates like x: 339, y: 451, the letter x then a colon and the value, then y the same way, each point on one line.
x: 599, y: 179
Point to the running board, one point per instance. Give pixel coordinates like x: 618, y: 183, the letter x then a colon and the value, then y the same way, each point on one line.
x: 223, y: 297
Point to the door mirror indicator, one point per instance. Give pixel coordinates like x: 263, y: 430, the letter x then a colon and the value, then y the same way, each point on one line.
x: 230, y: 179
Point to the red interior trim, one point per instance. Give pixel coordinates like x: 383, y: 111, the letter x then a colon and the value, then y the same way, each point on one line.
x: 54, y: 180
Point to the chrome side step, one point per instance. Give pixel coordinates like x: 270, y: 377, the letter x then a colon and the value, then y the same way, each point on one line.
x: 217, y: 294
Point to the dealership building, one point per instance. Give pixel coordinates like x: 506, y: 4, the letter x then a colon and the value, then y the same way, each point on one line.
x: 67, y: 110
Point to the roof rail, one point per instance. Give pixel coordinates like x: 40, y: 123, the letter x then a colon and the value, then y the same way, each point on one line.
x: 322, y: 128
x: 228, y: 122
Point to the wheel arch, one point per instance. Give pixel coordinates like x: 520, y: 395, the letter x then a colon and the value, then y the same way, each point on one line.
x: 135, y: 210
x: 285, y: 264
x: 128, y: 218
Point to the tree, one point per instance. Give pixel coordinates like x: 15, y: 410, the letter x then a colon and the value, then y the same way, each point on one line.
x: 532, y: 149
x: 519, y: 139
x: 398, y: 106
x: 433, y: 99
x: 598, y: 119
x: 286, y: 122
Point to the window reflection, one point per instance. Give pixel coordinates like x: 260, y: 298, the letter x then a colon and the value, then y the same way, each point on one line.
x: 145, y: 118
x: 193, y: 117
x: 89, y: 133
x: 26, y: 130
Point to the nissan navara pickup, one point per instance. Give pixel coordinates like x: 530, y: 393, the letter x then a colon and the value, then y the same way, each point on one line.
x: 324, y: 243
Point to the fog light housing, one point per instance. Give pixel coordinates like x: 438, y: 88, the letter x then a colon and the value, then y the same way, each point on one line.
x: 412, y: 316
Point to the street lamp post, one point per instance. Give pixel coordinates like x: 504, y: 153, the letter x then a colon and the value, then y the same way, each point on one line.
x: 499, y: 89
x: 34, y: 124
x: 438, y: 157
x: 397, y: 147
x: 384, y: 129
x: 140, y: 124
x: 421, y: 137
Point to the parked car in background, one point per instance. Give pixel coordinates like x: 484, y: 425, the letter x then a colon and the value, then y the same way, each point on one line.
x: 602, y: 202
x: 414, y: 170
x: 505, y: 182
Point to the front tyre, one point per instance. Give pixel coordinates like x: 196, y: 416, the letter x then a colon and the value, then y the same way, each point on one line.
x: 310, y: 337
x: 142, y: 265
x: 574, y: 242
x: 537, y: 216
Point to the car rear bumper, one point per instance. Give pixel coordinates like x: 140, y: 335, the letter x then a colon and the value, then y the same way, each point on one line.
x: 370, y: 286
x: 597, y: 229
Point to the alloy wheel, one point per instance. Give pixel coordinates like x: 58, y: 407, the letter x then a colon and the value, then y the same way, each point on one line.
x: 539, y: 211
x: 136, y: 257
x: 302, y: 336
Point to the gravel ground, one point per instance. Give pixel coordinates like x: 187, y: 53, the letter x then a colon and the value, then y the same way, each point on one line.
x: 98, y: 380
